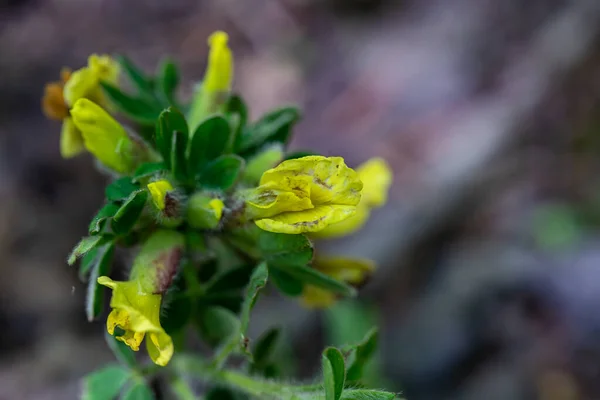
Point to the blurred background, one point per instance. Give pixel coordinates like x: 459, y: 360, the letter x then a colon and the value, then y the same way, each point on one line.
x: 488, y: 251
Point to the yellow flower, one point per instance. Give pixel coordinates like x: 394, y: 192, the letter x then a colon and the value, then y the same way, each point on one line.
x: 349, y: 270
x: 304, y: 195
x: 376, y: 176
x: 136, y: 303
x: 137, y: 312
x: 60, y: 96
x: 219, y: 73
x: 103, y: 136
x: 216, y: 84
x: 85, y: 82
x: 55, y: 107
x: 159, y: 190
x: 204, y: 212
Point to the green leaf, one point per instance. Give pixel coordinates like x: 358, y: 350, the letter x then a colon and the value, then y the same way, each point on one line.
x: 360, y: 355
x: 87, y: 262
x: 86, y: 244
x: 99, y: 220
x: 275, y: 126
x: 222, y: 173
x: 121, y: 351
x: 139, y: 79
x: 309, y: 275
x: 285, y: 282
x: 220, y: 393
x: 176, y: 315
x: 299, y: 154
x: 178, y: 158
x: 138, y: 109
x: 138, y: 391
x: 264, y: 347
x: 258, y: 280
x: 120, y: 189
x: 367, y: 394
x: 147, y: 170
x: 279, y: 249
x: 334, y: 373
x: 129, y: 212
x: 95, y: 294
x: 169, y: 121
x: 105, y: 384
x: 237, y: 111
x: 232, y: 279
x: 168, y: 79
x: 216, y: 324
x: 208, y: 142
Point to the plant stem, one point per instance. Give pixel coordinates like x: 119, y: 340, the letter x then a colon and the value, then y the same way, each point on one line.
x: 189, y: 365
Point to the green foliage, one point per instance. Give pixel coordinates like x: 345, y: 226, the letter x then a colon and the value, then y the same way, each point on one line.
x: 105, y: 384
x: 222, y: 173
x: 224, y: 265
x: 101, y: 266
x: 127, y: 215
x: 121, y: 351
x: 138, y: 391
x: 334, y: 373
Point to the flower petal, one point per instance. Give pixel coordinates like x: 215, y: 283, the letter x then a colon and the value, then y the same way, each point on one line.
x: 291, y: 194
x: 314, y: 297
x: 83, y: 83
x: 331, y: 181
x: 104, y: 137
x: 347, y: 226
x: 312, y: 220
x: 53, y: 103
x: 219, y: 72
x: 376, y: 176
x: 104, y: 67
x: 160, y: 347
x: 71, y: 141
x: 159, y: 190
x: 350, y: 270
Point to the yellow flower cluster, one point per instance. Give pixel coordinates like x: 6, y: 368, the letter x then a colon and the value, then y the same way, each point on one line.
x: 325, y: 198
x: 60, y: 97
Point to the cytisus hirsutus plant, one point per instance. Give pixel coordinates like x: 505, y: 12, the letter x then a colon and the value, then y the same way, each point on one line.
x: 211, y: 206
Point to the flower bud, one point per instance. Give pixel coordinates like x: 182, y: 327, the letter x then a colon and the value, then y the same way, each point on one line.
x: 204, y: 212
x: 216, y: 84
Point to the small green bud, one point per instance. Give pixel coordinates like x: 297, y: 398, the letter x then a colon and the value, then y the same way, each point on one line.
x: 204, y: 212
